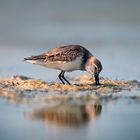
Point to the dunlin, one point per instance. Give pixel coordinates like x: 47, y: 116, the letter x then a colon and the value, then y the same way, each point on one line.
x: 68, y: 58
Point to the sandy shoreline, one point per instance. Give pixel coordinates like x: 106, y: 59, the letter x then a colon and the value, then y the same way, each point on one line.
x: 20, y: 88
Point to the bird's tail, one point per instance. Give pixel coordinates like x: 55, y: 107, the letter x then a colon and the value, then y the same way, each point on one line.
x: 35, y: 59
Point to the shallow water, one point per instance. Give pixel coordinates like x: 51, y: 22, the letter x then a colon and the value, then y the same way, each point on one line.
x: 109, y: 29
x: 116, y: 119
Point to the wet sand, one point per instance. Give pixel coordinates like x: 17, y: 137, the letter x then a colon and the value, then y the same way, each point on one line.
x: 21, y: 88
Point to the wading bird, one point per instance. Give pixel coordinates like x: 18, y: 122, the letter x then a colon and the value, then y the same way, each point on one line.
x: 68, y: 58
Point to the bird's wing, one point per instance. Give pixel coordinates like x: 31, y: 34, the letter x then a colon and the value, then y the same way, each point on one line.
x: 65, y: 53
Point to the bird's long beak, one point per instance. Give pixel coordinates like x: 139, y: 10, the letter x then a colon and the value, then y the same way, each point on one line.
x: 96, y: 76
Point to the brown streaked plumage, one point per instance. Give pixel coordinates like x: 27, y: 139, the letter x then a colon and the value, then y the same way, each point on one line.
x: 67, y: 59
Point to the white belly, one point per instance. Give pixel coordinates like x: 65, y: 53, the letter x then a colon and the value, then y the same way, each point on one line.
x: 65, y: 66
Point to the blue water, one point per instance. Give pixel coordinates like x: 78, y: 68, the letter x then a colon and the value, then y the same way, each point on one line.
x: 119, y: 119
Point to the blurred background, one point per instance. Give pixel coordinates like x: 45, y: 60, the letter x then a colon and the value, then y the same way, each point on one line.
x: 110, y: 29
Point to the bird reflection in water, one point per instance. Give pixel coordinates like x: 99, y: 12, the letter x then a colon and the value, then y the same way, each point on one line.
x: 67, y: 114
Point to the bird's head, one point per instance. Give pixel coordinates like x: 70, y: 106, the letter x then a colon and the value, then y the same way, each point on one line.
x: 94, y: 67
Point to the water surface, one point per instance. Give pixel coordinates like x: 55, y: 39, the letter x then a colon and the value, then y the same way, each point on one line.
x: 115, y: 119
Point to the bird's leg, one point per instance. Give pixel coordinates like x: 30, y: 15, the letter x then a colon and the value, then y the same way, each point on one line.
x: 60, y: 77
x: 65, y: 78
